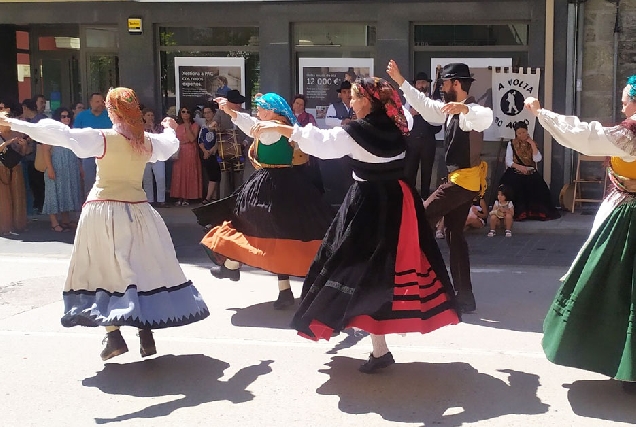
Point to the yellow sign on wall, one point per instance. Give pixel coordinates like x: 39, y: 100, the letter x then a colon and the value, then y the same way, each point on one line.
x: 135, y: 26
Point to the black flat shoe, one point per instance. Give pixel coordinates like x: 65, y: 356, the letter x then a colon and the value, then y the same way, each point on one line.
x: 285, y: 300
x: 222, y: 272
x: 374, y: 364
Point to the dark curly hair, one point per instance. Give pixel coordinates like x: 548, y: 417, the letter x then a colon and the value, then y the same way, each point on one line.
x: 57, y: 114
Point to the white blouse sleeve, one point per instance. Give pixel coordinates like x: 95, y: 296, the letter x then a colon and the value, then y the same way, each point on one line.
x: 430, y: 110
x: 509, y: 155
x: 478, y: 118
x: 323, y: 143
x: 330, y: 117
x: 84, y: 143
x: 537, y: 157
x: 164, y: 145
x: 245, y: 122
x: 591, y: 139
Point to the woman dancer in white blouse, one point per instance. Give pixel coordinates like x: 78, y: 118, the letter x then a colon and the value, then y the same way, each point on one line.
x: 123, y: 269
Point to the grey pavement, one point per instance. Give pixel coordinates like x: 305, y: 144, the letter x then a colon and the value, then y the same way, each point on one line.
x: 243, y: 366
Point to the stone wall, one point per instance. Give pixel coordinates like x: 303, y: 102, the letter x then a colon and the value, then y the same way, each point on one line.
x: 598, y: 57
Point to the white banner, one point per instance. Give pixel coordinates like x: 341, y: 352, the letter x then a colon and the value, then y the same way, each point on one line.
x: 509, y: 92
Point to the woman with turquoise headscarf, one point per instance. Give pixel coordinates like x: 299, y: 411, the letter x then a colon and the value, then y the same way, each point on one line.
x: 276, y: 220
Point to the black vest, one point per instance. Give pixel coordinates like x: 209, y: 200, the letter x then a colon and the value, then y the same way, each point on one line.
x: 457, y: 143
x: 341, y: 111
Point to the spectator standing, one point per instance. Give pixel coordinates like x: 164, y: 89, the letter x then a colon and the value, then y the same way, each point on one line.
x: 209, y: 146
x: 421, y: 144
x: 77, y: 108
x: 62, y: 180
x: 40, y: 106
x: 96, y: 118
x: 35, y: 178
x: 337, y: 174
x: 309, y: 165
x: 13, y: 204
x: 155, y: 173
x: 186, y: 171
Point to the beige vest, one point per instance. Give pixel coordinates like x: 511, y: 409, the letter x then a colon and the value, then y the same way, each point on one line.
x: 120, y: 171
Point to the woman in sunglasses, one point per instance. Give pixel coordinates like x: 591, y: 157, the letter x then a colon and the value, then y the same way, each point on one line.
x: 62, y: 187
x: 186, y: 172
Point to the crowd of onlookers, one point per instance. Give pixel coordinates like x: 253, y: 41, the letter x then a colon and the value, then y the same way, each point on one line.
x: 53, y: 181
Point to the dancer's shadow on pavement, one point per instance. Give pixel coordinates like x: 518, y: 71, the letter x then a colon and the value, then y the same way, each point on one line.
x: 450, y: 394
x: 263, y: 315
x: 601, y: 399
x: 194, y: 376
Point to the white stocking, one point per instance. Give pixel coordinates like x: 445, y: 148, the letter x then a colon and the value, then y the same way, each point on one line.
x: 231, y: 264
x: 379, y: 345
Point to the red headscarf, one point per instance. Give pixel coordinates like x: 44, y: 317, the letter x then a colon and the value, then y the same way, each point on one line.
x: 123, y: 109
x: 380, y: 90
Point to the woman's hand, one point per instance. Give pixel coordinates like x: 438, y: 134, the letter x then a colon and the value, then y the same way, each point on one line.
x: 50, y: 172
x: 453, y: 108
x: 169, y: 122
x: 260, y: 127
x: 394, y: 72
x: 533, y: 105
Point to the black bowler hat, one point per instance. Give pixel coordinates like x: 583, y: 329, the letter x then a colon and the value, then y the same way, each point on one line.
x: 456, y: 71
x: 346, y: 84
x: 235, y: 97
x: 421, y: 76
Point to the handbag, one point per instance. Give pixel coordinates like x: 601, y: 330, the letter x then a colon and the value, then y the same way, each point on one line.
x: 10, y: 158
x: 175, y: 156
x: 40, y: 163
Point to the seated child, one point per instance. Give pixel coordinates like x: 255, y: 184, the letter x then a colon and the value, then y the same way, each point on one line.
x: 477, y: 214
x: 502, y: 211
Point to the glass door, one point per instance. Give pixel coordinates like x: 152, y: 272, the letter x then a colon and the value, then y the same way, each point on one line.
x: 103, y: 72
x: 57, y: 78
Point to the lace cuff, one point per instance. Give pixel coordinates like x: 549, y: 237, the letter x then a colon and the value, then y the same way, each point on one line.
x: 622, y: 138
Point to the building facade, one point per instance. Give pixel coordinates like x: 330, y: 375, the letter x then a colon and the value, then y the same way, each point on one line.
x: 69, y: 50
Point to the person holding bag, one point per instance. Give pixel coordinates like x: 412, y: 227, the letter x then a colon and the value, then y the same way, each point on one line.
x: 13, y: 212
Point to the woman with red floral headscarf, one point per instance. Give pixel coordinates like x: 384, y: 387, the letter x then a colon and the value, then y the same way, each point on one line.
x: 379, y: 267
x: 123, y: 270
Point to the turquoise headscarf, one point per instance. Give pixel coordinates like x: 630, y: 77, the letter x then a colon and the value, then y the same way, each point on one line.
x: 276, y: 103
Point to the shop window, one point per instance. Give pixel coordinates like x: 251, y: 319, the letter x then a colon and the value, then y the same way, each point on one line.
x: 334, y: 34
x: 102, y: 38
x: 216, y: 36
x: 471, y: 35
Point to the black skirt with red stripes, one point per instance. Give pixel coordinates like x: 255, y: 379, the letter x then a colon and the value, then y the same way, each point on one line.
x: 378, y: 269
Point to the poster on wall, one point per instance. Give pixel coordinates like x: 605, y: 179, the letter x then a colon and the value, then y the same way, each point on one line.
x: 510, y: 90
x: 320, y: 78
x: 200, y: 80
x: 481, y: 88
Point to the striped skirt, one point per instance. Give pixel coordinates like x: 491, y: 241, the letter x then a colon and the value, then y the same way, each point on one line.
x: 378, y: 269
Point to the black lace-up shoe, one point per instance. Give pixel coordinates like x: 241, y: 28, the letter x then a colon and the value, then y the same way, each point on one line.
x: 374, y: 364
x: 115, y: 345
x: 146, y: 343
x: 285, y: 299
x: 222, y: 272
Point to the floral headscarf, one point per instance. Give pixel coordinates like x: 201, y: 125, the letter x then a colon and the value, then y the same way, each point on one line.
x: 380, y: 90
x: 123, y: 110
x: 277, y: 104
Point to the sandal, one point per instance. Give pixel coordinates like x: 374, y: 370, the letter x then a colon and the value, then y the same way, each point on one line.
x: 185, y: 203
x: 206, y: 202
x: 439, y: 234
x: 508, y: 233
x: 58, y: 228
x: 491, y: 233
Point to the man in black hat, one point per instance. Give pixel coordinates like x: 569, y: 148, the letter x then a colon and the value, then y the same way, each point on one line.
x: 222, y: 122
x: 420, y: 144
x: 337, y: 175
x: 340, y: 112
x: 464, y: 123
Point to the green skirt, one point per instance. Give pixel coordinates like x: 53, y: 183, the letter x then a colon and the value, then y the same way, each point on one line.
x: 590, y: 323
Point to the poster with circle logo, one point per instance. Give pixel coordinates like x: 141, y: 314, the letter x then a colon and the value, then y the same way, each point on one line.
x: 481, y: 89
x: 510, y: 90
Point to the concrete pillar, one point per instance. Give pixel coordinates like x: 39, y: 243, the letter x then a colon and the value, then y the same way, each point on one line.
x: 9, y: 69
x: 275, y: 52
x: 137, y: 63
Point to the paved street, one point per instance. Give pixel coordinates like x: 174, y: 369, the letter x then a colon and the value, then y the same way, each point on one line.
x: 244, y: 367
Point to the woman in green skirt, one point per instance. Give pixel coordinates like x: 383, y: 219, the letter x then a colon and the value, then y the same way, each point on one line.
x: 590, y: 323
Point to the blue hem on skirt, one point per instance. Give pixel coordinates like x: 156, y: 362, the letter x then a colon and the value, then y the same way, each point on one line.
x: 159, y: 308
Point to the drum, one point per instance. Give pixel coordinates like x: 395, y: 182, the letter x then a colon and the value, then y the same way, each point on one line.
x: 230, y: 154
